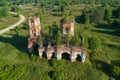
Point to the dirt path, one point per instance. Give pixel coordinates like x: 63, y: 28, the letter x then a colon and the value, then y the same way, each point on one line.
x: 22, y: 18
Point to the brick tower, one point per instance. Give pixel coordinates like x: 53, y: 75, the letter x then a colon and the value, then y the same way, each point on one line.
x: 34, y: 32
x: 67, y: 27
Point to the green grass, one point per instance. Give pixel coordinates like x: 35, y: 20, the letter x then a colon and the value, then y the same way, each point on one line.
x: 7, y: 21
x: 16, y: 63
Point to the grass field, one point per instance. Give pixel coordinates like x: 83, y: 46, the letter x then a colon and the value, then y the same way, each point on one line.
x: 7, y: 21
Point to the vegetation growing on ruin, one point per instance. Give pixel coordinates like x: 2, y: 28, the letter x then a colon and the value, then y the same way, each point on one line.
x: 97, y: 25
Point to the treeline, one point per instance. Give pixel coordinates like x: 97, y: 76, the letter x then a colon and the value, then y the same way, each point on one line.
x: 67, y: 2
x: 100, y: 14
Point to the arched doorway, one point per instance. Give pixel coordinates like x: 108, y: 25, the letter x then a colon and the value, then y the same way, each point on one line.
x: 78, y: 58
x: 66, y: 56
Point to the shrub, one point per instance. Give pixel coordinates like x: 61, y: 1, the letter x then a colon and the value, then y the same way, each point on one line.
x: 68, y: 19
x: 116, y: 13
x: 110, y: 21
x: 4, y: 12
x: 115, y: 70
x: 69, y: 38
x: 15, y: 9
x: 56, y: 63
x: 59, y: 38
x: 108, y: 14
x: 96, y: 15
x: 40, y: 15
x: 84, y: 38
x: 94, y: 43
x: 54, y: 28
x: 58, y: 75
x: 85, y: 18
x: 40, y: 40
x: 25, y: 26
x: 17, y: 29
x: 17, y: 15
x: 77, y: 40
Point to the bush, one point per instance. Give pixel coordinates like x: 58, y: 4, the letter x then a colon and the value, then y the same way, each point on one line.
x: 56, y: 63
x: 84, y: 38
x: 4, y: 12
x: 59, y: 38
x: 17, y: 15
x: 68, y: 19
x: 110, y: 21
x: 77, y: 41
x: 15, y: 9
x: 96, y: 15
x: 116, y: 13
x: 40, y: 15
x: 25, y: 25
x: 58, y: 75
x: 94, y: 43
x: 17, y: 29
x: 115, y: 70
x: 108, y: 14
x: 85, y: 18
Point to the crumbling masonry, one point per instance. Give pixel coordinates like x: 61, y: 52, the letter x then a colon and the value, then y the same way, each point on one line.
x: 67, y: 27
x: 33, y: 40
x: 34, y: 32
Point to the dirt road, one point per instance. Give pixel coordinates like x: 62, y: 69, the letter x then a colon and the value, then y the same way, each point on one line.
x: 22, y: 18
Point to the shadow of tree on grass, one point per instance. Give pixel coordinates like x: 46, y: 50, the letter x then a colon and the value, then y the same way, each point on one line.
x: 19, y: 42
x: 107, y: 29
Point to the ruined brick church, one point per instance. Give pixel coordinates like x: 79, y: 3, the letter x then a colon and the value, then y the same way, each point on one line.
x: 67, y: 27
x: 35, y: 32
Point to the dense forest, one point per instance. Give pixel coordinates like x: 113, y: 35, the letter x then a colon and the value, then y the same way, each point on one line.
x: 97, y: 28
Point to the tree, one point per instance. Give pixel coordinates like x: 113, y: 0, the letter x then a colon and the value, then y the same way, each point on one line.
x: 70, y: 13
x: 36, y: 1
x: 59, y: 38
x: 3, y: 3
x: 61, y: 8
x: 3, y: 12
x: 115, y: 70
x: 77, y: 40
x: 58, y: 75
x: 57, y: 64
x: 94, y: 43
x: 55, y: 28
x: 69, y: 37
x: 15, y: 9
x: 40, y: 15
x: 96, y: 15
x: 85, y: 18
x: 108, y: 14
x: 116, y: 13
x: 40, y: 40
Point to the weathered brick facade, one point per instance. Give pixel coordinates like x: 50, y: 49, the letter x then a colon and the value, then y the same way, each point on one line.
x: 67, y: 27
x: 34, y: 32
